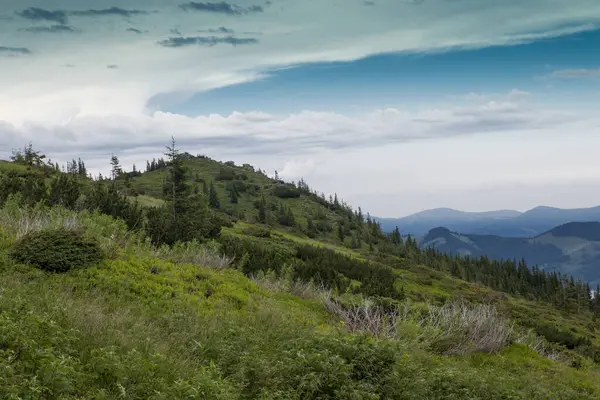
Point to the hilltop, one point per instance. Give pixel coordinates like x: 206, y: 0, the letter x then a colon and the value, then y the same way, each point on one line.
x: 279, y: 293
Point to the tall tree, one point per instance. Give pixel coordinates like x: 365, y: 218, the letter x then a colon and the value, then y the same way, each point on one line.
x: 213, y: 198
x: 175, y: 188
x: 116, y: 169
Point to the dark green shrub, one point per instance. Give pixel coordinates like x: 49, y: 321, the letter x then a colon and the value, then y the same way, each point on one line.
x: 563, y: 337
x: 58, y: 250
x: 286, y: 192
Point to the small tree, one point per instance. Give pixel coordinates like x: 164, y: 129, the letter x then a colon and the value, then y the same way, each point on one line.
x: 262, y: 212
x: 116, y: 169
x: 213, y: 198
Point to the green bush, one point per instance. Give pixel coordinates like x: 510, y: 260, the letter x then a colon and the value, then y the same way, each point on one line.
x: 286, y: 192
x: 258, y: 231
x: 58, y: 250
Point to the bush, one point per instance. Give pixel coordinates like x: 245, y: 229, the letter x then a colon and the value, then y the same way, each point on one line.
x: 258, y: 231
x: 58, y: 250
x: 286, y: 192
x: 562, y: 337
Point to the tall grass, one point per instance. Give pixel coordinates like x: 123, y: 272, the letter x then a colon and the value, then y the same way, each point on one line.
x: 455, y: 328
x: 459, y: 328
x: 200, y: 254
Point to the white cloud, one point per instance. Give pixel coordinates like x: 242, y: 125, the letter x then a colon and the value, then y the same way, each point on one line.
x: 88, y: 110
x: 38, y: 88
x: 576, y: 73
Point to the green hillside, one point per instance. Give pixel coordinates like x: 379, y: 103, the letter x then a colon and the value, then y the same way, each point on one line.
x: 320, y: 305
x: 572, y: 248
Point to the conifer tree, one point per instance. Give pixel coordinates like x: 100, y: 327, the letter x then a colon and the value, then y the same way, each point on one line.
x: 175, y: 189
x: 213, y: 198
x: 115, y: 167
x: 262, y: 212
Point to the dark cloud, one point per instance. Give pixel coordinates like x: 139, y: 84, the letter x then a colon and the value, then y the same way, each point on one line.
x: 108, y: 11
x: 368, y: 3
x: 50, y: 29
x: 206, y: 41
x: 221, y: 8
x: 14, y: 51
x: 175, y: 31
x: 134, y: 30
x: 61, y: 16
x: 39, y: 14
x: 112, y: 67
x: 68, y: 66
x: 220, y: 29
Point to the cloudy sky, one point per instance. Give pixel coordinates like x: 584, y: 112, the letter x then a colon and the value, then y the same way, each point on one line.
x: 396, y: 105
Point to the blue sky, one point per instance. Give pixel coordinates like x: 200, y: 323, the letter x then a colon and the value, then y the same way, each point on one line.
x: 409, y: 79
x: 397, y: 106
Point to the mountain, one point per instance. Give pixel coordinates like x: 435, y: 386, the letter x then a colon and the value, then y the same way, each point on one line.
x: 507, y: 223
x: 307, y: 301
x: 572, y: 248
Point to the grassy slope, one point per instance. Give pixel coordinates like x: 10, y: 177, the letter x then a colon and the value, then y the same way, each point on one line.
x: 150, y: 184
x: 140, y: 327
x: 419, y: 282
x: 137, y: 327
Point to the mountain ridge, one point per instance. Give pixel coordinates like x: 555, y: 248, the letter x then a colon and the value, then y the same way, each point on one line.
x: 572, y: 248
x: 506, y: 223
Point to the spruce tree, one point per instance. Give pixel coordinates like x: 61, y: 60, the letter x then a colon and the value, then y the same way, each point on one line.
x: 115, y: 167
x: 213, y: 199
x: 262, y: 212
x: 175, y: 189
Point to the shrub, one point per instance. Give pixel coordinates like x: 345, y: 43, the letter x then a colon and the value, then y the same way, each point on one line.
x: 565, y: 338
x: 258, y: 231
x: 58, y: 250
x: 286, y: 192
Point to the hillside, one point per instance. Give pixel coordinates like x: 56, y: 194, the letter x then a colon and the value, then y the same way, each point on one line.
x: 572, y: 248
x: 266, y: 309
x: 506, y: 223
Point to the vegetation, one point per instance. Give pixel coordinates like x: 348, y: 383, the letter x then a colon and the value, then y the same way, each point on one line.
x: 58, y: 250
x: 194, y: 299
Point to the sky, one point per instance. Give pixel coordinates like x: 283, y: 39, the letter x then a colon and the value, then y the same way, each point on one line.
x: 396, y: 105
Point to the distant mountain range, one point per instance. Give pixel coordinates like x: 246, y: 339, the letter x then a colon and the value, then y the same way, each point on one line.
x: 572, y: 248
x: 506, y: 223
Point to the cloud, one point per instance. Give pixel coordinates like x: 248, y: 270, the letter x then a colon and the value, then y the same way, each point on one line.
x: 369, y: 3
x: 108, y: 11
x: 305, y: 132
x: 62, y: 16
x: 220, y: 29
x: 175, y: 31
x: 138, y: 31
x: 221, y: 8
x: 112, y: 67
x: 206, y: 41
x: 40, y: 14
x: 50, y: 29
x: 576, y: 73
x: 14, y: 51
x: 516, y: 94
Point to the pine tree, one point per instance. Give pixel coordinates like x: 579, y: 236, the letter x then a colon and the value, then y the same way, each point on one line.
x: 262, y: 212
x: 213, y: 199
x: 341, y: 232
x: 175, y: 188
x: 115, y: 167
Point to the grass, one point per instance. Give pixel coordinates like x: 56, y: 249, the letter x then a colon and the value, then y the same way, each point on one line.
x: 182, y: 323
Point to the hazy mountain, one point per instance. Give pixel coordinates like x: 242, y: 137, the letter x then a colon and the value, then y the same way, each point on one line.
x: 572, y: 248
x: 507, y: 223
